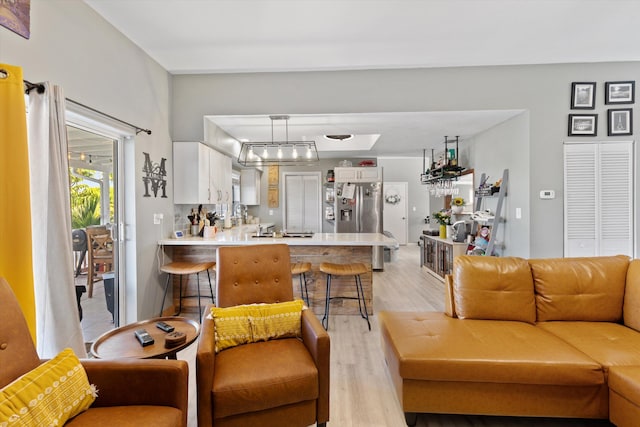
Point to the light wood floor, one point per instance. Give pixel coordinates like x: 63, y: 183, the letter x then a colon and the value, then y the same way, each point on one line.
x: 362, y: 394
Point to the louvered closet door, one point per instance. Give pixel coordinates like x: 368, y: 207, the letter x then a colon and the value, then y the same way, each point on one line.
x: 598, y: 199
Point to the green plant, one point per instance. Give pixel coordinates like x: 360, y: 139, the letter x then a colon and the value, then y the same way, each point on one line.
x: 443, y: 218
x: 457, y: 201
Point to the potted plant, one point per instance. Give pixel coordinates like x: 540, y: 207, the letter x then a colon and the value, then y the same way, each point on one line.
x: 457, y: 205
x: 444, y: 219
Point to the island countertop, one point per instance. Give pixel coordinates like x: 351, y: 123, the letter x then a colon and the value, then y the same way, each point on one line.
x: 244, y: 236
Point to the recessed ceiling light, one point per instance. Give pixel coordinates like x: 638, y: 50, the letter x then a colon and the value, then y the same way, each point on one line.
x: 338, y: 137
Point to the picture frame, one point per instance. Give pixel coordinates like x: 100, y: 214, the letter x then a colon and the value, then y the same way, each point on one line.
x: 583, y: 124
x: 583, y: 95
x: 16, y: 16
x: 620, y: 92
x: 620, y: 121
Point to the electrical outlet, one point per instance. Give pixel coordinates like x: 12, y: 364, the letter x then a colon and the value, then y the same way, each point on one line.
x: 157, y: 218
x: 270, y: 212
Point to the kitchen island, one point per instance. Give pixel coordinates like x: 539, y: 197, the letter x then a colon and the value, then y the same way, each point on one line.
x: 339, y: 248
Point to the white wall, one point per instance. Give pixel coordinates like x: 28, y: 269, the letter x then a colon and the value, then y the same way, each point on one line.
x: 72, y: 46
x: 542, y: 90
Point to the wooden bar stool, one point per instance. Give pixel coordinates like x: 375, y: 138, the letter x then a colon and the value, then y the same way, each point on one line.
x: 300, y: 269
x: 184, y: 268
x: 355, y: 269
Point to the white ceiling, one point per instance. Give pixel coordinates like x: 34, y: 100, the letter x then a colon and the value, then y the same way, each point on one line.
x: 222, y: 36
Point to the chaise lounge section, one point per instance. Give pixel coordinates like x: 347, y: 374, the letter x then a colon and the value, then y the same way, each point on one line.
x: 523, y: 338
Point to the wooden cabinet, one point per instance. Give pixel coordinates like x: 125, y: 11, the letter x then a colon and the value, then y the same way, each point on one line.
x: 250, y: 186
x: 438, y: 254
x: 358, y: 174
x: 200, y: 174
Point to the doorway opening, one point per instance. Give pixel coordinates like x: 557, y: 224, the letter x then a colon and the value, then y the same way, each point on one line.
x: 94, y: 211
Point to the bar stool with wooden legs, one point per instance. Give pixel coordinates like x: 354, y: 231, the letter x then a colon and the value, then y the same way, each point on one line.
x: 300, y: 269
x: 354, y: 269
x: 184, y: 268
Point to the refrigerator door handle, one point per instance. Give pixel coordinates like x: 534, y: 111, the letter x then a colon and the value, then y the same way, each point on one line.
x: 359, y: 209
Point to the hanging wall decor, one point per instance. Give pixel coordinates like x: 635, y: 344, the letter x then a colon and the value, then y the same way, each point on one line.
x: 16, y: 16
x: 155, y: 177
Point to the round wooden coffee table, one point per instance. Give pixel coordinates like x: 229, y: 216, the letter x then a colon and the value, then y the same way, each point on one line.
x: 121, y: 342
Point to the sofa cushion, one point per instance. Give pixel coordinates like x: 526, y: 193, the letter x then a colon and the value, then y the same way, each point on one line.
x: 631, y: 307
x: 263, y: 375
x: 590, y: 289
x: 609, y: 344
x: 128, y: 416
x: 433, y: 346
x: 493, y: 288
x: 47, y: 395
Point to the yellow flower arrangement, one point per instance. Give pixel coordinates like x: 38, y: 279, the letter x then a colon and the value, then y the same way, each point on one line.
x: 457, y: 201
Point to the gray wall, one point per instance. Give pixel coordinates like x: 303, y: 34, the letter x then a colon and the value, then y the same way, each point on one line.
x: 542, y: 90
x: 72, y: 46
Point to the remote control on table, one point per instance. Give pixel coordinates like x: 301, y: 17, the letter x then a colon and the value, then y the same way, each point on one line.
x: 164, y: 326
x: 143, y: 336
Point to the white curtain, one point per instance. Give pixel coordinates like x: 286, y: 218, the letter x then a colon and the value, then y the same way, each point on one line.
x: 57, y: 318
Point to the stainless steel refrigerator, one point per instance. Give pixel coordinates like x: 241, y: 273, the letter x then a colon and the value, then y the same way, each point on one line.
x: 358, y: 209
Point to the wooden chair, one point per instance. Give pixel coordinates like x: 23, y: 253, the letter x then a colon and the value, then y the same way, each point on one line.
x: 100, y: 251
x: 281, y: 382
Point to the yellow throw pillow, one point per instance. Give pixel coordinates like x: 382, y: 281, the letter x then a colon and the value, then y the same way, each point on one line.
x: 231, y: 326
x: 245, y: 324
x: 48, y: 395
x: 271, y: 321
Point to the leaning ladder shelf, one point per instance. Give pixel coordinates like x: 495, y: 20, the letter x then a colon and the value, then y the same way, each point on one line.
x: 497, y: 219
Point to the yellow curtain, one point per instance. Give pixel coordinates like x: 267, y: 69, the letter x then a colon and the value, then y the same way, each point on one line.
x: 16, y: 263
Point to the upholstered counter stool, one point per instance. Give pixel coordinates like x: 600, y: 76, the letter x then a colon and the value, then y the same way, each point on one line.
x: 184, y: 268
x: 300, y: 269
x: 355, y: 269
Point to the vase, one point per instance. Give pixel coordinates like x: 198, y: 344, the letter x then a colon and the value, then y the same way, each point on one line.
x: 443, y: 231
x: 456, y: 210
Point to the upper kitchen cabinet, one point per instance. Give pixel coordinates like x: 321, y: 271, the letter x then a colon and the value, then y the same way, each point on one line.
x: 358, y: 174
x: 250, y: 186
x: 221, y: 178
x: 200, y: 174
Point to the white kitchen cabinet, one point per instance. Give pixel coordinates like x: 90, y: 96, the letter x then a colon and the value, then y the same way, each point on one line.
x: 358, y: 174
x: 200, y: 174
x: 250, y: 186
x: 221, y: 180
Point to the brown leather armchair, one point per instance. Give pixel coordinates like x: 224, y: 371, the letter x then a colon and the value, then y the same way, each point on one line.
x: 277, y: 383
x: 131, y: 392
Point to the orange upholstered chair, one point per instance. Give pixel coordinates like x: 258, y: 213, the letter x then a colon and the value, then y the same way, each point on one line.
x: 280, y: 382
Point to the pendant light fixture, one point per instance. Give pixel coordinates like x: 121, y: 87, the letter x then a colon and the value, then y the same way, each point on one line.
x: 281, y: 153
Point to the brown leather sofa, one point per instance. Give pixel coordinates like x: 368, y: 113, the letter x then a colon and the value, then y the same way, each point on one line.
x: 276, y: 383
x: 539, y: 337
x: 131, y: 392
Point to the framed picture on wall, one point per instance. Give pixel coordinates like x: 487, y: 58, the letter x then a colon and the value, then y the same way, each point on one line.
x: 619, y: 92
x: 583, y: 124
x: 583, y: 95
x: 620, y: 122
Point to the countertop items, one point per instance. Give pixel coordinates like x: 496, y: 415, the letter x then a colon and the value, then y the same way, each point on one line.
x: 244, y: 235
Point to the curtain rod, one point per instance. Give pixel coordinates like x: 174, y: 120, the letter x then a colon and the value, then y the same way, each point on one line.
x: 40, y: 87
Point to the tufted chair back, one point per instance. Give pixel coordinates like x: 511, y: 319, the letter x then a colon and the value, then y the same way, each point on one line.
x: 17, y: 352
x: 253, y: 274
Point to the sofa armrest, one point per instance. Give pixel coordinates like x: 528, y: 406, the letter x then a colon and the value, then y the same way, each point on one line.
x: 449, y: 306
x: 316, y: 339
x: 124, y: 382
x: 205, y: 361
